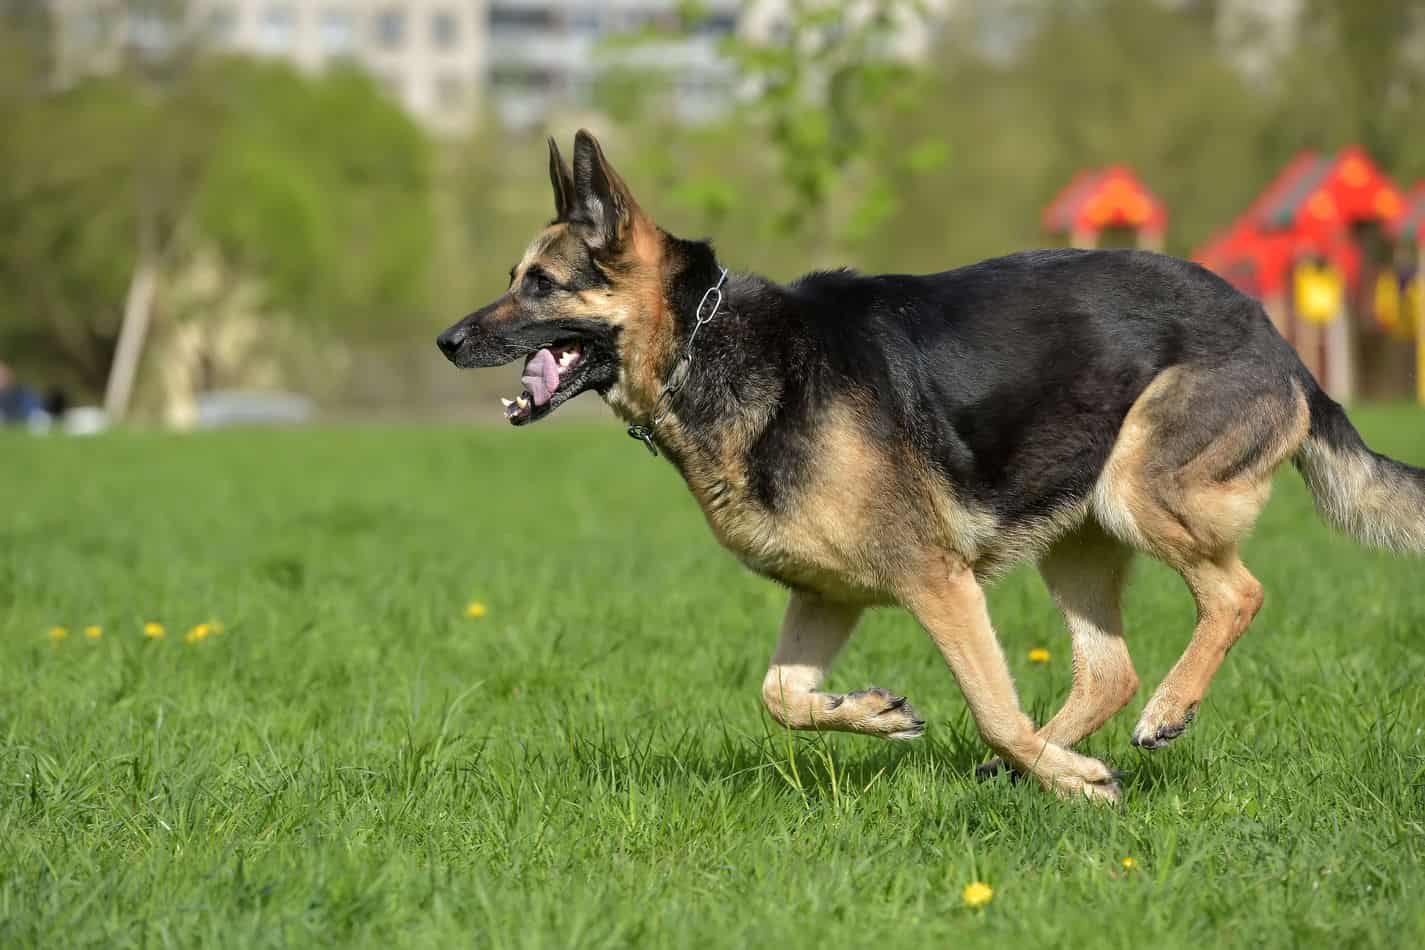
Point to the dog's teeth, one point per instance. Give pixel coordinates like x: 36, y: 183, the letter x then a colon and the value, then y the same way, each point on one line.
x: 522, y: 402
x: 507, y: 403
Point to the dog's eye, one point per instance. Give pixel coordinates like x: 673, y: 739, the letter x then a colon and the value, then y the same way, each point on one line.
x: 540, y: 284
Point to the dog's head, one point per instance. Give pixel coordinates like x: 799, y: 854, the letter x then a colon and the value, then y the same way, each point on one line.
x: 582, y: 302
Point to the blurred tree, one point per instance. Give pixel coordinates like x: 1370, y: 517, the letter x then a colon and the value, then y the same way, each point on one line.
x: 1087, y: 83
x: 1355, y: 74
x: 321, y: 186
x: 825, y: 93
x: 315, y: 187
x: 814, y: 103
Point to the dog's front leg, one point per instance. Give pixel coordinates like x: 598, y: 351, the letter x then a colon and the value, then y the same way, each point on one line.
x: 813, y: 632
x: 949, y: 603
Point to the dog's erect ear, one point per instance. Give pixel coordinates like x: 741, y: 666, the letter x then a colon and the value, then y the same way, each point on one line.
x: 605, y: 208
x: 562, y: 178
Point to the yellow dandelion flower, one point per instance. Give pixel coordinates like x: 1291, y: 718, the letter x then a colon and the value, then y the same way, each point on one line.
x: 476, y: 609
x: 198, y: 633
x: 1038, y: 655
x: 93, y: 631
x: 58, y: 633
x: 978, y: 894
x: 1128, y: 863
x: 154, y: 631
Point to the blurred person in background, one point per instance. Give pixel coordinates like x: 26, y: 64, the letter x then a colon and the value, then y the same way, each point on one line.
x: 56, y: 402
x: 18, y: 402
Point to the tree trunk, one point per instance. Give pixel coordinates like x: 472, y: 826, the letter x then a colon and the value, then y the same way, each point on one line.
x: 138, y: 308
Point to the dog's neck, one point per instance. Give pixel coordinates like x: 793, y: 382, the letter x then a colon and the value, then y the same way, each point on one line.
x: 664, y: 327
x: 721, y: 356
x: 697, y: 270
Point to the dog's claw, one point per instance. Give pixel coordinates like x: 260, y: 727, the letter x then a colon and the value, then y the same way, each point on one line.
x: 1161, y: 736
x: 916, y: 730
x: 1146, y: 736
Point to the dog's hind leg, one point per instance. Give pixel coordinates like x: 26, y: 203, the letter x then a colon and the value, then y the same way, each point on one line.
x: 1228, y: 597
x: 1188, y: 476
x: 1085, y: 573
x: 813, y: 633
x: 950, y: 604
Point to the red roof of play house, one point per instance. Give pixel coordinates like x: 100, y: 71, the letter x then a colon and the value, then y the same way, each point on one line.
x: 1336, y: 191
x: 1095, y: 199
x: 1305, y: 210
x: 1251, y: 258
x: 1410, y: 226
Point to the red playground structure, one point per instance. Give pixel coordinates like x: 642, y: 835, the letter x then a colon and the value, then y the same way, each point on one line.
x: 1105, y: 199
x: 1332, y: 247
x: 1322, y: 248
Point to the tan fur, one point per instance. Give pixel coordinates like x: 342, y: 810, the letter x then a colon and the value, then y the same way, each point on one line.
x: 948, y: 601
x: 648, y: 346
x: 1227, y: 599
x: 813, y: 632
x: 976, y: 535
x: 1181, y: 514
x: 546, y: 250
x: 841, y: 530
x: 1192, y: 518
x: 1364, y: 497
x: 1085, y: 574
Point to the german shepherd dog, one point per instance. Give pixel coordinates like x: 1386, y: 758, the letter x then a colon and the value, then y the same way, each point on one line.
x: 902, y: 439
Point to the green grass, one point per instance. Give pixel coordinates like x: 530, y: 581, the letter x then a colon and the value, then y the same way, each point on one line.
x: 354, y: 761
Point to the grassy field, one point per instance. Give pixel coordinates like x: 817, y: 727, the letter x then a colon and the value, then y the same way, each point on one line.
x: 349, y: 757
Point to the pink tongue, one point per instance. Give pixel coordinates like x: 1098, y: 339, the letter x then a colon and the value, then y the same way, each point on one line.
x: 541, y: 376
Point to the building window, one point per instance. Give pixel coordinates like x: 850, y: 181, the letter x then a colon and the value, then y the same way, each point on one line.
x: 586, y: 20
x: 517, y: 77
x: 391, y: 27
x: 336, y: 31
x: 718, y: 24
x: 514, y: 18
x: 274, y: 34
x: 444, y: 30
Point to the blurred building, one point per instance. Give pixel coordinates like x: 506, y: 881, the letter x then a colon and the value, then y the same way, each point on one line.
x: 526, y: 59
x: 440, y: 58
x: 428, y: 54
x: 551, y: 54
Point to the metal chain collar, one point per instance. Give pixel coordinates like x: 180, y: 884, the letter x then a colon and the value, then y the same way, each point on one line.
x: 681, y: 369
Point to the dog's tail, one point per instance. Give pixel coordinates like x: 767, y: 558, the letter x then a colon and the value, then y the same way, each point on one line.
x: 1374, y: 499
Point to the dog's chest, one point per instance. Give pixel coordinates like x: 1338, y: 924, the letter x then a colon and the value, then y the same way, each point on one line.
x: 809, y: 544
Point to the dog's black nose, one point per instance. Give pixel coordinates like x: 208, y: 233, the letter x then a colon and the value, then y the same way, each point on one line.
x: 450, y: 340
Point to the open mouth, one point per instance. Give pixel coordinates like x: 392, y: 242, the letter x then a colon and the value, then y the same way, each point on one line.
x: 551, y: 376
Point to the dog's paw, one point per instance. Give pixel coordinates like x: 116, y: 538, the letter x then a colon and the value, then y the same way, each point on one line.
x: 879, y: 712
x: 988, y: 770
x: 1162, y: 722
x: 1093, y: 781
